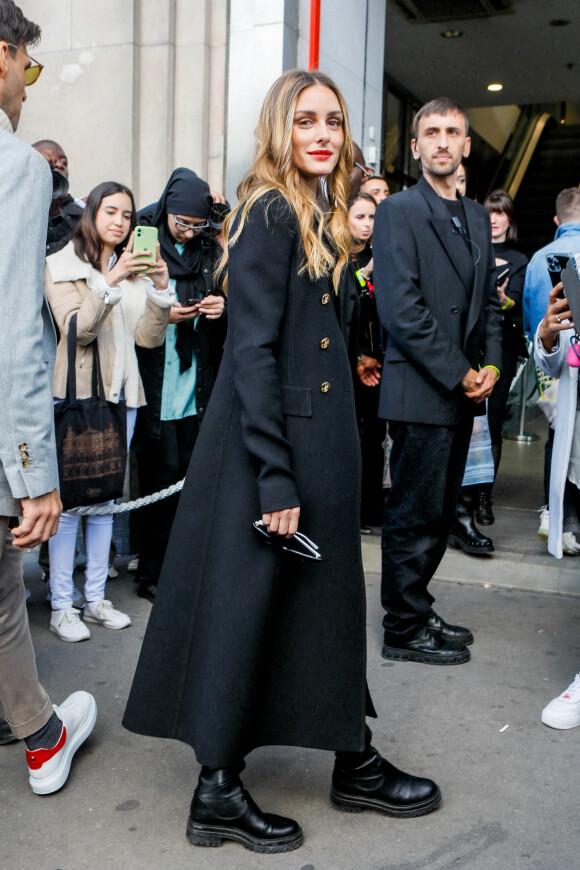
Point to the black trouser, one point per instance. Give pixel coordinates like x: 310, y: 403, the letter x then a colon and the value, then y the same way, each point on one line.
x: 161, y: 462
x: 372, y: 431
x: 427, y: 465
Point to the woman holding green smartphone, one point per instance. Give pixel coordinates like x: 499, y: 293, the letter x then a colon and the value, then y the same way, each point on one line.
x: 119, y: 299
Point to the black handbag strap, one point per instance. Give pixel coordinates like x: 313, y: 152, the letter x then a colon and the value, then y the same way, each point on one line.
x: 97, y: 387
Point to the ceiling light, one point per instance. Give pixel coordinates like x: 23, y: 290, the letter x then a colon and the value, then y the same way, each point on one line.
x: 495, y: 86
x: 451, y: 34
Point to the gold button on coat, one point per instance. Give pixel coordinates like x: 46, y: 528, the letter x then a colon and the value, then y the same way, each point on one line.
x: 324, y: 388
x: 324, y: 343
x: 325, y: 298
x: 25, y: 463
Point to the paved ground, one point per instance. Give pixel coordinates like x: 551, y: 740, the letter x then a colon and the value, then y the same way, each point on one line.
x: 510, y: 797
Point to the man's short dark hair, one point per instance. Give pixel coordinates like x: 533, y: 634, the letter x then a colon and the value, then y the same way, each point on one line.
x: 15, y: 28
x: 440, y: 106
x: 374, y: 178
x: 568, y: 205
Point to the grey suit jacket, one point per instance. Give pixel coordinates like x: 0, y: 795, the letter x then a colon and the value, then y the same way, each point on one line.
x: 28, y: 466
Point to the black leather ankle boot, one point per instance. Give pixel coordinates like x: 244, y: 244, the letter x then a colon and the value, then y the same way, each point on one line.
x: 222, y: 809
x: 464, y: 533
x: 483, y: 506
x: 371, y: 782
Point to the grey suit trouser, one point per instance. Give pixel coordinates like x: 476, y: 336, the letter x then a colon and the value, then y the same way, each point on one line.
x: 26, y: 705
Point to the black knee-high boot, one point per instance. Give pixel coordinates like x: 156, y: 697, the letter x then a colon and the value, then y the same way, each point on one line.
x: 222, y: 809
x: 365, y: 780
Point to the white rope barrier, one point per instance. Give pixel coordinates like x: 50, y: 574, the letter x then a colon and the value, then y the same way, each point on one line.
x: 101, y: 510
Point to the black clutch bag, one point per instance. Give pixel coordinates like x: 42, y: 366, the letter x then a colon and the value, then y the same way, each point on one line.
x: 298, y: 544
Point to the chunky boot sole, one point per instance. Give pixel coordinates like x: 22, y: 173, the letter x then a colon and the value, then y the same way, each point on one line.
x: 471, y: 549
x: 407, y: 655
x: 354, y: 803
x: 214, y: 835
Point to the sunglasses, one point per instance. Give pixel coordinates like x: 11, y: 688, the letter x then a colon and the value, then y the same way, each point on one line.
x: 197, y: 228
x: 298, y: 544
x: 364, y: 170
x: 32, y: 72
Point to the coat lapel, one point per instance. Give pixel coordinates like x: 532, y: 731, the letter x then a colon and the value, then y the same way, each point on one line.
x: 459, y: 255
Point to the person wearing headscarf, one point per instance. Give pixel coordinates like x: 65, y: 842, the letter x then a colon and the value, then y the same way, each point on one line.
x: 179, y: 376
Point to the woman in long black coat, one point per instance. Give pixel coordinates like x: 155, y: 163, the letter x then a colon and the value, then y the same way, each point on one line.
x: 247, y: 644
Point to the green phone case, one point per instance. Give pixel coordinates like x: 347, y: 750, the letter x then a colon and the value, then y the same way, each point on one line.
x: 145, y: 239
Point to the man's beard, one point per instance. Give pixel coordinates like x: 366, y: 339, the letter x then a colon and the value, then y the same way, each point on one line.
x: 444, y: 172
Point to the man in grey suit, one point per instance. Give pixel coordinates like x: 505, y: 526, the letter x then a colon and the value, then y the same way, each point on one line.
x: 438, y: 303
x: 28, y: 467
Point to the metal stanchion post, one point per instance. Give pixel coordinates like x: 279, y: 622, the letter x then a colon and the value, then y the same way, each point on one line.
x: 519, y: 434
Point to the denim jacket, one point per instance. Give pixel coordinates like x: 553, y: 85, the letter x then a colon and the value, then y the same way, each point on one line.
x: 537, y: 285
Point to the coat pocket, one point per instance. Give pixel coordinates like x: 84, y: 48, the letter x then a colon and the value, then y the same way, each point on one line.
x: 296, y: 401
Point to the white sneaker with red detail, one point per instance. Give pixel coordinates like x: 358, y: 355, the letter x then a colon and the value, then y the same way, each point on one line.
x: 564, y: 711
x: 49, y: 768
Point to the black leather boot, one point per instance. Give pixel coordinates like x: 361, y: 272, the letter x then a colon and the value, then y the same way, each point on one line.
x: 483, y: 505
x: 366, y: 781
x: 464, y: 533
x: 222, y: 809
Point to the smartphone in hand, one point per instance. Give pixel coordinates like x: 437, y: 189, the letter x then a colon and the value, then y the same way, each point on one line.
x: 145, y: 239
x: 556, y: 265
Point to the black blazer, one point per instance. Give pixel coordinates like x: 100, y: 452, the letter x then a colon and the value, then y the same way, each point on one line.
x: 441, y: 312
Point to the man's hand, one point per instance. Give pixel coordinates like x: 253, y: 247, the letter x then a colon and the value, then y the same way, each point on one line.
x: 367, y: 369
x: 479, y: 385
x: 39, y: 520
x: 282, y: 522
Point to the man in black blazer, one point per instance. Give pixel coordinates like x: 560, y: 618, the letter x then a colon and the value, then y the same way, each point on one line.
x: 439, y: 306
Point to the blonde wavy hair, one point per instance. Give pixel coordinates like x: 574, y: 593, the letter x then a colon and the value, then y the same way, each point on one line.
x: 325, y: 235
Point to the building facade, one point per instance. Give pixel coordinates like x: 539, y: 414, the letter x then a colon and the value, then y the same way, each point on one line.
x: 134, y: 88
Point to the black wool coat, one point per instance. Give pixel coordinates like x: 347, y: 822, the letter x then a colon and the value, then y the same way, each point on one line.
x: 247, y: 645
x: 437, y: 300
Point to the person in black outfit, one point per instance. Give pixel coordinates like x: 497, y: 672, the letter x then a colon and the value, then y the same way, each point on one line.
x: 178, y: 377
x: 369, y: 359
x: 510, y: 275
x: 438, y: 304
x: 248, y: 644
x: 65, y: 212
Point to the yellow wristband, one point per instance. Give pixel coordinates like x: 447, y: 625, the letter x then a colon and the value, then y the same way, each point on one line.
x: 495, y: 368
x: 508, y: 303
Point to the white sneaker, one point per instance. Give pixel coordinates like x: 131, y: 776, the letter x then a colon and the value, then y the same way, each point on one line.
x: 104, y: 613
x: 112, y: 573
x: 133, y: 565
x: 570, y: 545
x: 544, y: 525
x: 68, y: 625
x: 564, y: 711
x: 49, y: 768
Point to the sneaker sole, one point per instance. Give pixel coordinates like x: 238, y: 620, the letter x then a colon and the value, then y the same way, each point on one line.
x: 543, y: 536
x: 214, y: 835
x: 350, y: 803
x: 470, y: 548
x: 68, y: 639
x: 561, y: 724
x: 405, y: 655
x: 105, y: 624
x: 59, y: 777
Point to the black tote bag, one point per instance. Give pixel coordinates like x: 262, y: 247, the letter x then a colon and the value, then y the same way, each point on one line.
x: 91, y: 437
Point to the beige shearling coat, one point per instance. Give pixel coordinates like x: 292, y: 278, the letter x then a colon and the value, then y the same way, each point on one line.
x: 120, y: 317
